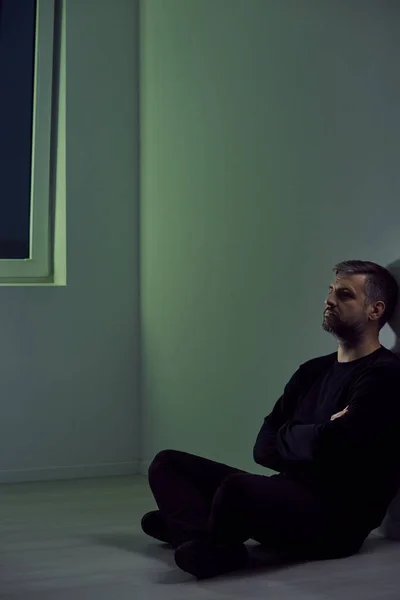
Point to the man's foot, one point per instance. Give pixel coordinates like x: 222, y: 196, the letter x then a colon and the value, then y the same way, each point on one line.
x: 204, y: 559
x: 154, y: 525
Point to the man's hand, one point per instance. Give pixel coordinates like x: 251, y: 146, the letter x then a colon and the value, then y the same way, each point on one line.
x: 340, y: 414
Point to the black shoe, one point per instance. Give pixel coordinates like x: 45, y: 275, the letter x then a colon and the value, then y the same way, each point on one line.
x: 153, y: 525
x: 204, y: 559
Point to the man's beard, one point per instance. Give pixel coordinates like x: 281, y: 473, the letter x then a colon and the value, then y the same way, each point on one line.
x: 347, y: 333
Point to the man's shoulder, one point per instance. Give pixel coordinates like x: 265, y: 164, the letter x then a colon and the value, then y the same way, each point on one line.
x: 386, y: 357
x: 380, y: 376
x: 383, y: 359
x: 383, y: 363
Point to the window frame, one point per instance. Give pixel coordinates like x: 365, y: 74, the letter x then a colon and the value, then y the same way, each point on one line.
x: 39, y: 266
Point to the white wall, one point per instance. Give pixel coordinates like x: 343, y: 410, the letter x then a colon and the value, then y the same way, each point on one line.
x: 269, y: 138
x: 69, y: 355
x: 270, y: 144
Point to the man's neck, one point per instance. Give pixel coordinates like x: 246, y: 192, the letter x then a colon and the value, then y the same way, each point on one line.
x: 363, y: 348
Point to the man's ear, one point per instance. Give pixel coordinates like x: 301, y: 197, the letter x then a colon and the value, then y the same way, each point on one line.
x: 377, y: 310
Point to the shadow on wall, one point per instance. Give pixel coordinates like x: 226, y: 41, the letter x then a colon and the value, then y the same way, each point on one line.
x: 394, y: 269
x: 390, y: 526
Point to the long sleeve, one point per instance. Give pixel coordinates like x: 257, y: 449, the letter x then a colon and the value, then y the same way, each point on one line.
x: 265, y: 452
x: 374, y: 408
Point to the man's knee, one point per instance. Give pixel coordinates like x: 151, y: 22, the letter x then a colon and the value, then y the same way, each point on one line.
x: 161, y: 458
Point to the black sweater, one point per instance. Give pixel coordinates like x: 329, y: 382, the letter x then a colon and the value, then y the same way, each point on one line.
x: 353, y: 462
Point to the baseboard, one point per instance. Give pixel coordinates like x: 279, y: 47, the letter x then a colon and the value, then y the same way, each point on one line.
x: 70, y: 472
x: 143, y: 467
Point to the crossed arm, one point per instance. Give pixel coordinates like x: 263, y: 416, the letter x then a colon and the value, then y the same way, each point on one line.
x: 374, y: 406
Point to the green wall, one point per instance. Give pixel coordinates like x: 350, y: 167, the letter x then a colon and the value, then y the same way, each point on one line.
x: 269, y: 151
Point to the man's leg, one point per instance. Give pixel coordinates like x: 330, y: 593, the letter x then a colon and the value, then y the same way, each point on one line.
x: 276, y: 511
x: 183, y: 486
x: 280, y: 513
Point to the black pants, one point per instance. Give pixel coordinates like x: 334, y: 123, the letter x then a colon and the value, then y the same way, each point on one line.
x: 200, y: 498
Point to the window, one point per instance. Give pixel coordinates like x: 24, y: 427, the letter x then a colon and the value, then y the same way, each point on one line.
x: 28, y: 72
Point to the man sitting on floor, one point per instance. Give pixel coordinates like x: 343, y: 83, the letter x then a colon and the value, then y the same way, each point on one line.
x: 333, y: 438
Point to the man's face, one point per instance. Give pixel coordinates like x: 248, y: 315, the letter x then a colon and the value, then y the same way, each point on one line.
x: 346, y: 312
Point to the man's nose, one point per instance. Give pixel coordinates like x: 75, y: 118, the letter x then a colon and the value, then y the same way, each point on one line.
x: 330, y: 301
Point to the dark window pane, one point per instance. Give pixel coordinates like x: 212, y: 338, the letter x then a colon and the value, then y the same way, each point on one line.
x: 17, y: 44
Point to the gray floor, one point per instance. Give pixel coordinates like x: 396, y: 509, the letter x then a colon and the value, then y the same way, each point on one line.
x: 82, y: 540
